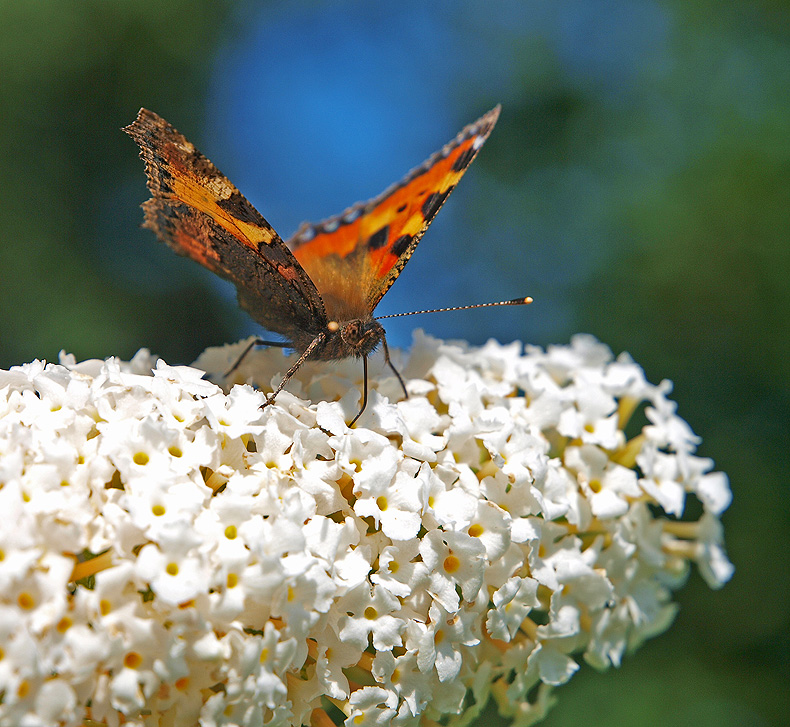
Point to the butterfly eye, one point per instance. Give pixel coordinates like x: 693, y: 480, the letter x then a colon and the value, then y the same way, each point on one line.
x: 333, y: 326
x: 353, y: 333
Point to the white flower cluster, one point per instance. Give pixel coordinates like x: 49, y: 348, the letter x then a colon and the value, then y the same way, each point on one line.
x: 171, y: 554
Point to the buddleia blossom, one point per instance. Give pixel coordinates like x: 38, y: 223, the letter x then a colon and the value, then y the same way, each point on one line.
x: 171, y: 553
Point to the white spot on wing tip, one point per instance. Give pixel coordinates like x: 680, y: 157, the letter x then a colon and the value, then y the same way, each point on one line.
x: 307, y: 234
x: 351, y: 215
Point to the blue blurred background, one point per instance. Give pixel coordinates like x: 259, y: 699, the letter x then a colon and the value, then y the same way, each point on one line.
x: 637, y: 186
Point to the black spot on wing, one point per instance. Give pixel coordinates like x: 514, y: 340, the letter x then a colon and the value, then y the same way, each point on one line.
x: 161, y: 186
x: 401, y: 245
x: 237, y: 206
x: 379, y: 238
x: 428, y: 208
x: 432, y: 203
x: 464, y: 159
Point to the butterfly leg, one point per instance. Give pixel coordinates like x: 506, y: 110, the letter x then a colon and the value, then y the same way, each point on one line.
x: 365, y: 380
x: 364, y: 390
x: 394, y: 370
x: 250, y: 346
x: 319, y: 339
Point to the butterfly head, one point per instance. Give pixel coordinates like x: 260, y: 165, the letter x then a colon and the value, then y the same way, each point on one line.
x: 356, y: 337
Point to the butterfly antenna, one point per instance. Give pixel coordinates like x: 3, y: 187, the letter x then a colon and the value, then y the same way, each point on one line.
x: 516, y: 301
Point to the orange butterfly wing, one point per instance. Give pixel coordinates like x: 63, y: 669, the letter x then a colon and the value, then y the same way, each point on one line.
x: 199, y: 213
x: 355, y: 257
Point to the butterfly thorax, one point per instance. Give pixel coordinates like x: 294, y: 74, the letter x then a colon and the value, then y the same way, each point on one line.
x: 357, y: 337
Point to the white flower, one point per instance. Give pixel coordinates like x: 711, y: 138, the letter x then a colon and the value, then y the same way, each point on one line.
x: 512, y: 603
x: 608, y: 486
x: 400, y: 571
x: 440, y: 641
x: 370, y: 612
x: 396, y: 507
x: 174, y: 553
x: 454, y: 562
x: 401, y: 675
x: 553, y: 666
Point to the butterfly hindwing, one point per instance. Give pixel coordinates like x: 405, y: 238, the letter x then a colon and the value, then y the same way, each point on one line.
x: 199, y: 213
x: 371, y: 242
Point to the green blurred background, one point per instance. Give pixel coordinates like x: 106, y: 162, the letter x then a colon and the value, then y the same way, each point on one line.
x: 637, y: 186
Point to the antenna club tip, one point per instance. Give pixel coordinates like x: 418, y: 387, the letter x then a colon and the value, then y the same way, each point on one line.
x: 526, y: 300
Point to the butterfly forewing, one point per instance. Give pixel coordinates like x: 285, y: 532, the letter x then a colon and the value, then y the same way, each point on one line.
x: 355, y: 257
x: 199, y: 213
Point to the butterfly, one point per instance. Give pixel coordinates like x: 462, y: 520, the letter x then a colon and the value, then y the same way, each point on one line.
x: 319, y: 289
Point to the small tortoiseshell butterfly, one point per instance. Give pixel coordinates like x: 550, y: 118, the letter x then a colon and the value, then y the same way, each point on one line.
x: 319, y: 289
